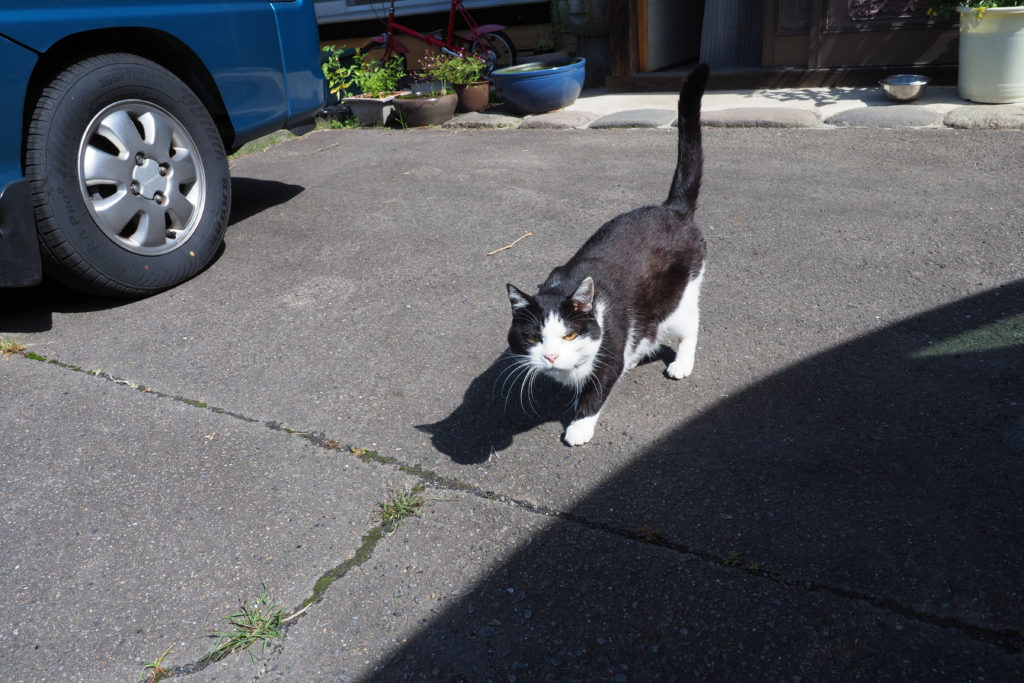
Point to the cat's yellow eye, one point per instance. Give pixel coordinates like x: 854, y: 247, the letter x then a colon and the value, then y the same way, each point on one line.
x: 532, y: 340
x: 570, y: 336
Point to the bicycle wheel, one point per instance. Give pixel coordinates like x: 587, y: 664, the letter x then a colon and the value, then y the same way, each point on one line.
x: 496, y: 48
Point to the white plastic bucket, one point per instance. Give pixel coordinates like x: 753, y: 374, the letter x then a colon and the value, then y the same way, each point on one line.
x: 991, y: 55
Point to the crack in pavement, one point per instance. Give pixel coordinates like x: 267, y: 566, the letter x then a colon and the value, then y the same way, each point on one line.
x: 1008, y: 640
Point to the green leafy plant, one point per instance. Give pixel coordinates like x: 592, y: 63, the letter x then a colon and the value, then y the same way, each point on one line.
x: 369, y: 76
x: 260, y: 623
x: 947, y: 8
x: 9, y: 347
x: 154, y: 671
x: 399, y: 505
x: 454, y: 69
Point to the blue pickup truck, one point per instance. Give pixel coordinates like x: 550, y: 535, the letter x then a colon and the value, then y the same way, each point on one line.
x: 116, y: 118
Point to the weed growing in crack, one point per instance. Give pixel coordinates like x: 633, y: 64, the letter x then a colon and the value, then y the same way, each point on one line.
x: 260, y: 623
x: 649, y: 535
x: 733, y: 559
x: 399, y: 505
x: 9, y: 347
x: 154, y: 671
x: 365, y: 550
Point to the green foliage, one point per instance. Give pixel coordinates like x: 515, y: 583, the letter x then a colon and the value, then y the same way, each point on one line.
x: 454, y: 69
x: 371, y: 77
x: 10, y: 347
x: 947, y: 8
x: 154, y: 671
x: 400, y: 504
x: 260, y: 623
x: 336, y: 124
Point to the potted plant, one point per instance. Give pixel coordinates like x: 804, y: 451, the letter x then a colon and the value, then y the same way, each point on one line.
x: 991, y: 66
x: 367, y: 86
x: 466, y: 73
x: 425, y: 106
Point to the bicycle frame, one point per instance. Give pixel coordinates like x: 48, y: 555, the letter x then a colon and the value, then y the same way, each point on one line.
x: 452, y: 43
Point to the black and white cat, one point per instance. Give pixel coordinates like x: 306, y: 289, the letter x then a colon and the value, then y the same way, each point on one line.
x: 633, y: 286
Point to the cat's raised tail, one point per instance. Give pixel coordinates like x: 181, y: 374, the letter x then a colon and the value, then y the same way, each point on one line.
x: 690, y: 165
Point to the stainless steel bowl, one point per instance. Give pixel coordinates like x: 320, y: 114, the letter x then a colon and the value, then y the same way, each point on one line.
x: 904, y: 87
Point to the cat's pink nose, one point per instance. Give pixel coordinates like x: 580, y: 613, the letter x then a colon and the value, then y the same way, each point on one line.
x: 551, y: 357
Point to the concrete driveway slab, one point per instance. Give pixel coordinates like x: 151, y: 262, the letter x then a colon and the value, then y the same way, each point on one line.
x: 146, y: 520
x: 851, y: 429
x: 521, y: 597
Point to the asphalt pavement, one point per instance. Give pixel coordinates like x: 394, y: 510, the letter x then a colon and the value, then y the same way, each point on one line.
x: 836, y: 493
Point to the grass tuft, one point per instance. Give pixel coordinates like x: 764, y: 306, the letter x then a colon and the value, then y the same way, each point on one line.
x: 399, y: 505
x: 331, y: 123
x: 258, y: 624
x: 9, y: 347
x: 154, y: 671
x: 734, y: 559
x: 262, y: 144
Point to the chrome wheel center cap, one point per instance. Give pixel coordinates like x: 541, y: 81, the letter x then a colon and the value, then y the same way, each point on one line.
x: 148, y: 179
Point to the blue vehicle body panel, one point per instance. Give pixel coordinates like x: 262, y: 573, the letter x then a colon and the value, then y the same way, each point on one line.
x: 301, y: 57
x: 262, y: 57
x: 253, y: 74
x: 18, y: 64
x: 19, y: 252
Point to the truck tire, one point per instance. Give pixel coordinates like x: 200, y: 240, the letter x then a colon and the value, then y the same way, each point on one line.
x: 129, y: 177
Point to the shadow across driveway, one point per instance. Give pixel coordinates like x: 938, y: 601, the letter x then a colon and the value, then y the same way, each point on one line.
x: 856, y: 515
x: 31, y: 309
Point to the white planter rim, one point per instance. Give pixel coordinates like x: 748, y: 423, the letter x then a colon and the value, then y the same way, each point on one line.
x: 990, y: 10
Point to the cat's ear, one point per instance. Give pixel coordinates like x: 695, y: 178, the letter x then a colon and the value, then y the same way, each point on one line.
x: 518, y: 298
x: 583, y: 297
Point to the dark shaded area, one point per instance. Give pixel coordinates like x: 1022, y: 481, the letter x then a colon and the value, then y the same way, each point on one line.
x: 250, y: 196
x: 498, y: 405
x: 495, y: 408
x: 856, y: 515
x: 31, y: 309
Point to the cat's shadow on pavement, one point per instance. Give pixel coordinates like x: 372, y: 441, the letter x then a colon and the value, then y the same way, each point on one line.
x: 496, y: 407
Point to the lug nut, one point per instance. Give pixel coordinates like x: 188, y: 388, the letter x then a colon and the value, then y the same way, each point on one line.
x: 134, y: 188
x: 140, y: 159
x: 159, y: 198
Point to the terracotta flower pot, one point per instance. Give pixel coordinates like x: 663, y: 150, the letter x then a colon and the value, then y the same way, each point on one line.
x: 414, y: 111
x: 473, y: 96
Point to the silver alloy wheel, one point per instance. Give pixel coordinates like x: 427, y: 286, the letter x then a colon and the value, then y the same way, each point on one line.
x: 141, y: 176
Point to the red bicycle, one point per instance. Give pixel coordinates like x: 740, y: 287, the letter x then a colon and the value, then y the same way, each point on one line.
x: 488, y: 41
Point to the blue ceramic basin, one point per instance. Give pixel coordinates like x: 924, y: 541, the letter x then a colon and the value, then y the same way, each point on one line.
x: 538, y: 87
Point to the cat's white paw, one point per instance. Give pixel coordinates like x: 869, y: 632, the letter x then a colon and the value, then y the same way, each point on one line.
x: 580, y: 431
x: 680, y: 368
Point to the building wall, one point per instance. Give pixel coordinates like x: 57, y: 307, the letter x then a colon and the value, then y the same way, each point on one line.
x: 733, y: 33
